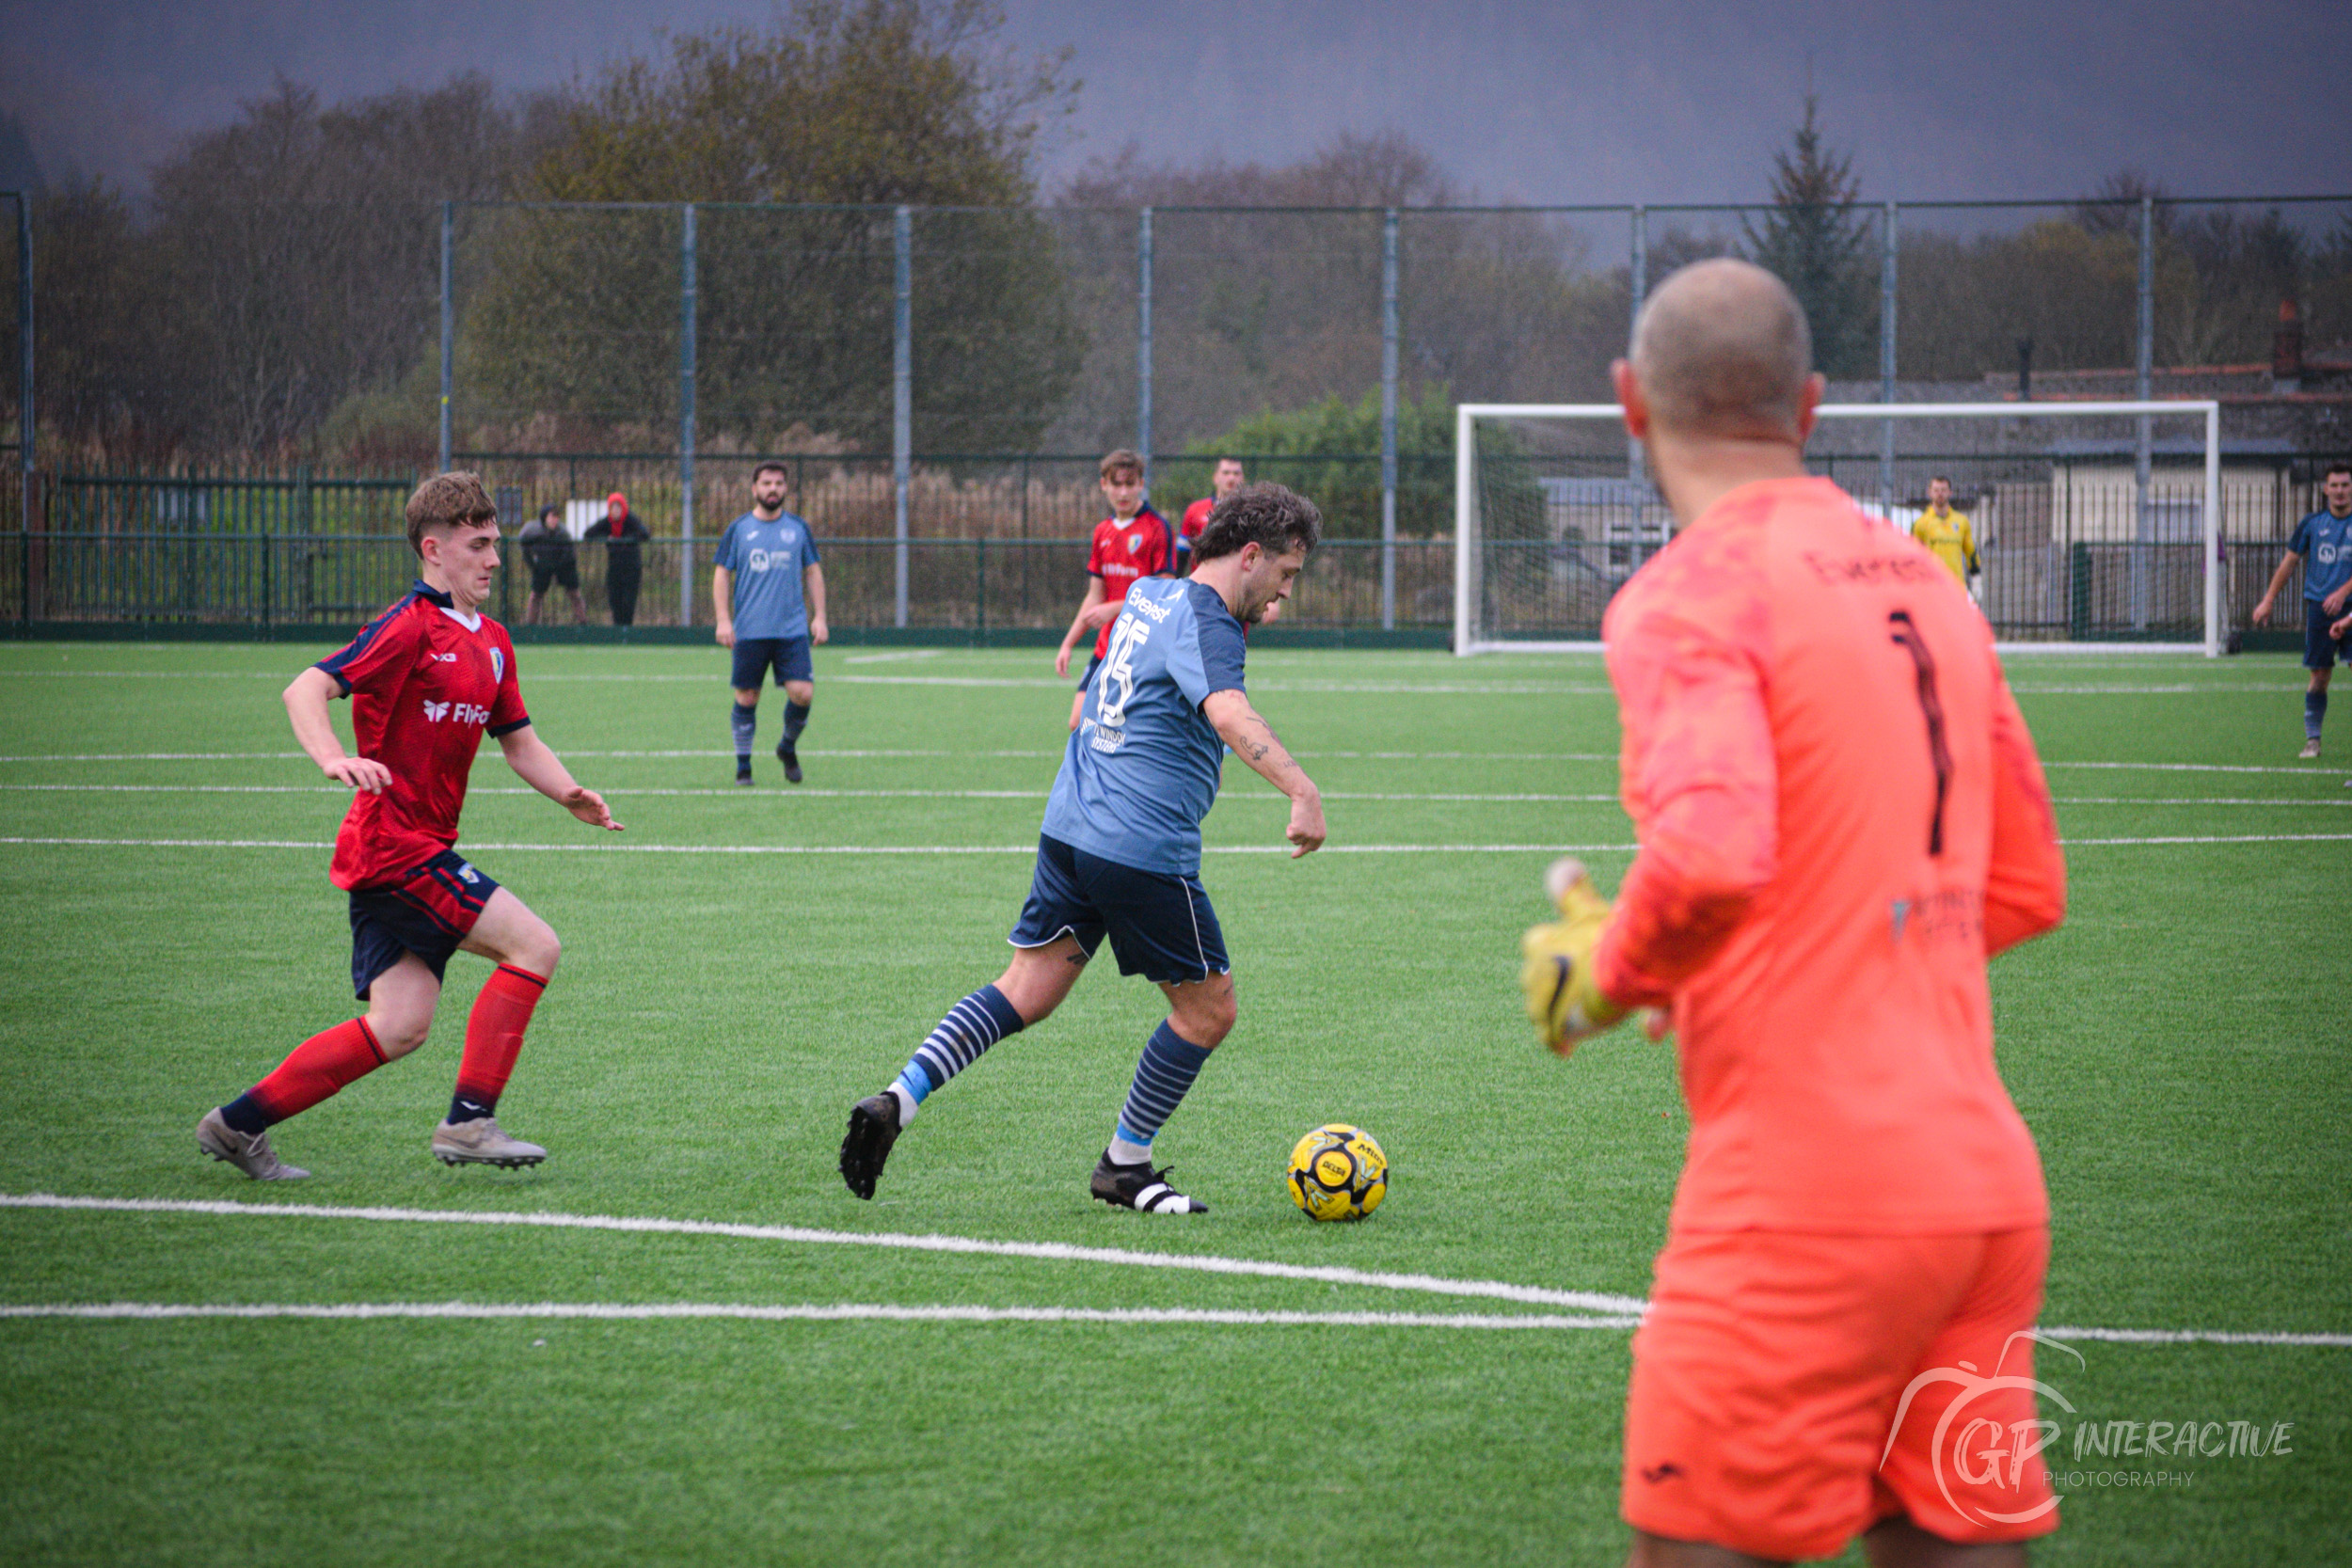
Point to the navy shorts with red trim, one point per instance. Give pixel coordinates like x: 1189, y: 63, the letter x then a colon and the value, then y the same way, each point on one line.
x: 428, y: 912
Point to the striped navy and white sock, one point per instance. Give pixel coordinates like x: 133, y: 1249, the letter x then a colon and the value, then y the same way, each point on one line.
x: 745, y: 722
x: 971, y: 1026
x: 1169, y: 1063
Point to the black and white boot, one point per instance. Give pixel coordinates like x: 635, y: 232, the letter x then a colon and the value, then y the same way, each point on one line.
x: 1141, y: 1188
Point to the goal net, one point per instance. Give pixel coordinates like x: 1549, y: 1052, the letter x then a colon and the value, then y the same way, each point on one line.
x: 2096, y: 524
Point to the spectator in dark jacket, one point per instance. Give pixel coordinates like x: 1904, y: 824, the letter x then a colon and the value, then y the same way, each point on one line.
x: 623, y: 539
x: 548, y: 551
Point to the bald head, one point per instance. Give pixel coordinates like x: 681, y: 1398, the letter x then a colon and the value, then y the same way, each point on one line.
x: 1721, y: 350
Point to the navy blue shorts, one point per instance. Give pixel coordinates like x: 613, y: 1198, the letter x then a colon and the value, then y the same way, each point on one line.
x: 428, y: 912
x: 753, y: 654
x: 1160, y: 925
x: 2321, y: 651
x: 1093, y: 664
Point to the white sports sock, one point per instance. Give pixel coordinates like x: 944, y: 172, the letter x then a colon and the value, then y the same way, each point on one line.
x: 908, y: 1104
x: 1125, y: 1153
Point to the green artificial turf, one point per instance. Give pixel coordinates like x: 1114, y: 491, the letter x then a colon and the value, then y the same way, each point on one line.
x: 2178, y: 1048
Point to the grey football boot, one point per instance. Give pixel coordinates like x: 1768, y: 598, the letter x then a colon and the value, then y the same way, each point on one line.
x: 249, y: 1152
x: 482, y: 1142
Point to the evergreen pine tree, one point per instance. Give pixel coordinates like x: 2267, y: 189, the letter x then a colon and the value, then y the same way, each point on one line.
x: 1816, y: 241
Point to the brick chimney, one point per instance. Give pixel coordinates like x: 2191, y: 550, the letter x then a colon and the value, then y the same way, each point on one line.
x: 2286, y: 350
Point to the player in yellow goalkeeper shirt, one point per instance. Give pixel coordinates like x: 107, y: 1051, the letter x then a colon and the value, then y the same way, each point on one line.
x: 1946, y: 531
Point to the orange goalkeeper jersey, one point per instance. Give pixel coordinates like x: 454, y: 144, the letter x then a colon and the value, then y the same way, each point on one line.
x: 1842, y: 817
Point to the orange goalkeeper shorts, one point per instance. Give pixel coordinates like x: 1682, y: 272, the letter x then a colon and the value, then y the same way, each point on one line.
x: 1789, y: 1391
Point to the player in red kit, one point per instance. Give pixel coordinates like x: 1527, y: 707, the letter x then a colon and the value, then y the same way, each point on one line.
x: 1133, y: 542
x: 427, y: 679
x: 1224, y: 480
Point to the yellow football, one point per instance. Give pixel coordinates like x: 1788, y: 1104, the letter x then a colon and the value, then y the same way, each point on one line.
x: 1338, y: 1172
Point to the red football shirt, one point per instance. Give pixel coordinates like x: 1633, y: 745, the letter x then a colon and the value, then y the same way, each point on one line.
x: 1123, y: 551
x: 424, y: 682
x: 1195, y: 518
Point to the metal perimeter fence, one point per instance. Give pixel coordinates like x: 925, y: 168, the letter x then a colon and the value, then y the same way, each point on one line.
x: 1005, y: 545
x: 660, y: 349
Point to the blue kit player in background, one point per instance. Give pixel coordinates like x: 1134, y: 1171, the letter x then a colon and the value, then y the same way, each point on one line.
x: 1120, y: 855
x: 2323, y: 543
x: 769, y: 593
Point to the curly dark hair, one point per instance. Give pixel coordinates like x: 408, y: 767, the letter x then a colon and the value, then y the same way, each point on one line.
x: 1274, y: 517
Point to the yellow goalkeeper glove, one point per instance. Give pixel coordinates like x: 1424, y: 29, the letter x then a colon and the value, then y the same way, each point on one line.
x: 1563, y: 1001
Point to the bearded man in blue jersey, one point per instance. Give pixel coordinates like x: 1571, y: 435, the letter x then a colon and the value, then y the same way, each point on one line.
x: 2322, y: 545
x: 1120, y: 855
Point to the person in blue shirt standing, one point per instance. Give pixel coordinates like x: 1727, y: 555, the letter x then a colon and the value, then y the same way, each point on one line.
x: 768, y: 594
x: 1120, y: 854
x: 2323, y: 543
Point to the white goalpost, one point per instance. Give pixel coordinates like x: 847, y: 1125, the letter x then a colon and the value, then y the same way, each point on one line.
x: 2096, y: 527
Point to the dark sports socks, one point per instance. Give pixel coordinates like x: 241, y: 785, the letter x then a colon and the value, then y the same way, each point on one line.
x: 2314, y: 713
x: 746, y: 723
x: 795, y: 720
x: 317, y: 1068
x: 494, y: 1037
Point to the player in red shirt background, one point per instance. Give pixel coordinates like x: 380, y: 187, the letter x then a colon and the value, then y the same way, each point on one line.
x: 427, y: 679
x: 1133, y: 542
x: 1225, y: 479
x: 1842, y: 817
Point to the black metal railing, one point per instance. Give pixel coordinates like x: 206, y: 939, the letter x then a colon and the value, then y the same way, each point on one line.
x: 967, y: 585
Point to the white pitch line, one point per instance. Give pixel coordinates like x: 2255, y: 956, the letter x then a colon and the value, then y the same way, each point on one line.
x: 2194, y: 1337
x: 936, y: 752
x: 2205, y: 838
x: 965, y: 755
x: 732, y: 793
x: 592, y: 847
x: 1276, y: 684
x: 161, y: 756
x: 736, y: 793
x: 2186, y: 768
x: 2119, y: 689
x: 1261, y: 795
x: 811, y: 1312
x: 1025, y: 683
x: 1615, y: 1311
x: 1055, y: 1252
x: 863, y: 1311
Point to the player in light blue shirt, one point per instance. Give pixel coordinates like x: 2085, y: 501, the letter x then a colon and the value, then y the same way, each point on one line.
x: 2322, y: 544
x: 769, y: 593
x: 1120, y: 855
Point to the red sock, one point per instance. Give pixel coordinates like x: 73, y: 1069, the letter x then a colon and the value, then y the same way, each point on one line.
x: 494, y: 1035
x: 318, y: 1067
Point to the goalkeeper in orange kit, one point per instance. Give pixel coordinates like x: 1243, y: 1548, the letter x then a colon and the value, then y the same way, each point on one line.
x: 1842, y: 817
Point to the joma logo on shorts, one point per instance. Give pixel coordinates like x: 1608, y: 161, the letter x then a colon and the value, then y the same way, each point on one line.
x: 464, y: 713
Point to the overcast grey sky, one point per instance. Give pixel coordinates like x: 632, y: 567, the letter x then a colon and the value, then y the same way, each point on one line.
x: 1577, y: 101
